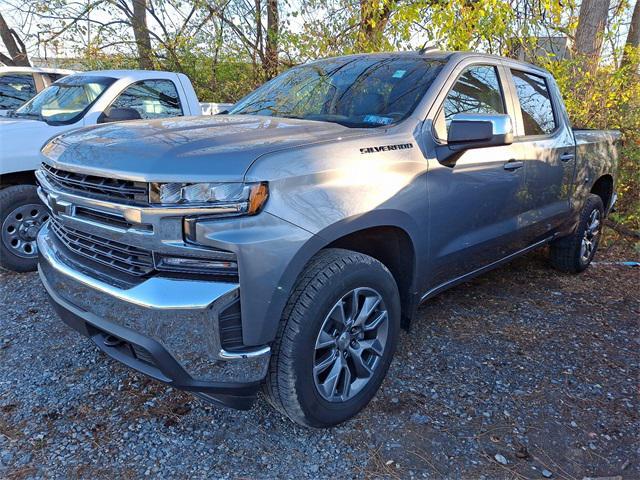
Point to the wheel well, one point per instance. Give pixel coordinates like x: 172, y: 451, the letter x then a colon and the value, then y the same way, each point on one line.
x: 17, y: 178
x: 603, y: 187
x: 393, y: 247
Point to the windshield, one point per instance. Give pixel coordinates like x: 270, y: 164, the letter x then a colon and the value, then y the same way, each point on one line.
x: 66, y: 100
x: 15, y: 89
x: 353, y: 91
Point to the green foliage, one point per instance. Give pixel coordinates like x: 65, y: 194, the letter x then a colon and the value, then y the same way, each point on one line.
x: 607, y: 97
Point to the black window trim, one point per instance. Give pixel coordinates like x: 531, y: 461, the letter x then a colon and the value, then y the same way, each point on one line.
x: 518, y: 109
x: 449, y: 85
x: 106, y: 109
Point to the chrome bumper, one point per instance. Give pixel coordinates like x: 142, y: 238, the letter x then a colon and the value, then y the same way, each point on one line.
x: 179, y: 316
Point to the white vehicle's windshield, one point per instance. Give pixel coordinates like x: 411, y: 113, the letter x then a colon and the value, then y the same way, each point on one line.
x: 358, y: 91
x: 66, y: 100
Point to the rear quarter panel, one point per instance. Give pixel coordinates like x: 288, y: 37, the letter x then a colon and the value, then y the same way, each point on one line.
x: 597, y: 155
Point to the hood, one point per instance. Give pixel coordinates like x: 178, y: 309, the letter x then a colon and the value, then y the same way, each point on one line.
x: 20, y: 142
x: 12, y: 124
x: 190, y: 149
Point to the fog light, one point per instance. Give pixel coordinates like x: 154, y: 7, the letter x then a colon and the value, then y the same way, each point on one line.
x: 205, y: 266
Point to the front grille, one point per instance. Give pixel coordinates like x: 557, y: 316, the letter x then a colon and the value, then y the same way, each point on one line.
x: 110, y: 188
x: 110, y: 219
x: 125, y: 258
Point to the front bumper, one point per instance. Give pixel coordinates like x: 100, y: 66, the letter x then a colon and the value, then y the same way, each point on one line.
x: 164, y: 327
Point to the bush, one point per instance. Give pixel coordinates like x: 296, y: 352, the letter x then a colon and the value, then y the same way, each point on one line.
x: 607, y: 97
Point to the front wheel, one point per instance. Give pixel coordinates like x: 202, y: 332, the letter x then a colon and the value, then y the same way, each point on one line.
x: 21, y: 216
x: 338, y: 334
x: 574, y: 253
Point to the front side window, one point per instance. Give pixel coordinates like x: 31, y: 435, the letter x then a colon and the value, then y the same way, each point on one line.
x: 151, y: 99
x: 16, y: 89
x: 477, y: 90
x: 357, y: 92
x: 65, y: 101
x: 535, y: 103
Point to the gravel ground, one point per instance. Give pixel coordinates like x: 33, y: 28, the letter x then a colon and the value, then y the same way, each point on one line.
x: 521, y: 373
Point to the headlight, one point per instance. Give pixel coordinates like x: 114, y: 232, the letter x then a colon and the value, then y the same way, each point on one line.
x: 233, y: 198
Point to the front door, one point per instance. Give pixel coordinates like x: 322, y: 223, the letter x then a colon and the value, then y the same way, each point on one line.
x: 475, y: 206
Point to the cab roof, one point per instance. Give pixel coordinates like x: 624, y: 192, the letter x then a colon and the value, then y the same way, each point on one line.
x: 60, y: 71
x: 444, y: 56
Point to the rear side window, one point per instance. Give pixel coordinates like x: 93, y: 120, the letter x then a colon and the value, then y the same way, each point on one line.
x: 535, y: 103
x: 151, y: 99
x: 477, y: 90
x: 16, y: 89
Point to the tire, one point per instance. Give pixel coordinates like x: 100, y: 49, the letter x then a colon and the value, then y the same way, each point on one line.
x: 21, y: 216
x: 329, y: 284
x: 567, y: 254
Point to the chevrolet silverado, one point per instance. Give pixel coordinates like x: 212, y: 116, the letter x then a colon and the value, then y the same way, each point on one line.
x: 283, y: 245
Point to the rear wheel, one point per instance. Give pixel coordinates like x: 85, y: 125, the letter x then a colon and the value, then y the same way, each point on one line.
x: 574, y: 253
x: 338, y: 335
x: 21, y: 216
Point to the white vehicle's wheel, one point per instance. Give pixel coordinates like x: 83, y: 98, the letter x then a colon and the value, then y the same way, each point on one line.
x: 21, y: 216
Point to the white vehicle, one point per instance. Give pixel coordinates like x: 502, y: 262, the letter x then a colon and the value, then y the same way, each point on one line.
x: 214, y: 108
x: 18, y: 85
x: 79, y: 100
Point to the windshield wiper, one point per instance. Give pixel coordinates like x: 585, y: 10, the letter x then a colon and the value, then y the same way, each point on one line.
x: 329, y: 119
x: 36, y: 116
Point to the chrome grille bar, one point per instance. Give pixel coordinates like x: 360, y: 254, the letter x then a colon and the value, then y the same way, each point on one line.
x: 125, y: 258
x: 101, y: 186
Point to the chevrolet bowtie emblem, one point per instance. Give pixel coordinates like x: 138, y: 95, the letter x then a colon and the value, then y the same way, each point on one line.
x: 60, y: 207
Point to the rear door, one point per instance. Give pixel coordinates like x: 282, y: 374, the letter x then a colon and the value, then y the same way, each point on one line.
x: 475, y: 205
x: 544, y: 142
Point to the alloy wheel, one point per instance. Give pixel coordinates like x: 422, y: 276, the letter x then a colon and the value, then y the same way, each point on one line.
x: 590, y: 237
x: 350, y: 344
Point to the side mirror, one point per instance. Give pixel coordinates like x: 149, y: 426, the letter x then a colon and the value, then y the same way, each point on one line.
x: 474, y: 130
x: 119, y: 115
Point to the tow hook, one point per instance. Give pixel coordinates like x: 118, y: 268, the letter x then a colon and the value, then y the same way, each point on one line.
x: 111, y: 341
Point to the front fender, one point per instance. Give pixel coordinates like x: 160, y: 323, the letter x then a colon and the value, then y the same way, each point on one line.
x: 326, y: 237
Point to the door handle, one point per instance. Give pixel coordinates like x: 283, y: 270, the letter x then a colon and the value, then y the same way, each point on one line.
x: 513, y: 164
x: 565, y: 157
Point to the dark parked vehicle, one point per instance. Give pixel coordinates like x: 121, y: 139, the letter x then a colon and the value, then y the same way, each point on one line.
x: 282, y: 246
x: 18, y: 85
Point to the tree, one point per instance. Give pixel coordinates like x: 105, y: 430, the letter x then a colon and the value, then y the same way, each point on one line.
x: 631, y: 56
x: 141, y: 33
x: 374, y: 16
x: 260, y: 41
x: 271, y: 49
x: 592, y: 21
x: 15, y: 47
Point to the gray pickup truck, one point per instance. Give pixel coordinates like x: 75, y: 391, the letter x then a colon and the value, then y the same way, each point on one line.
x: 281, y: 246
